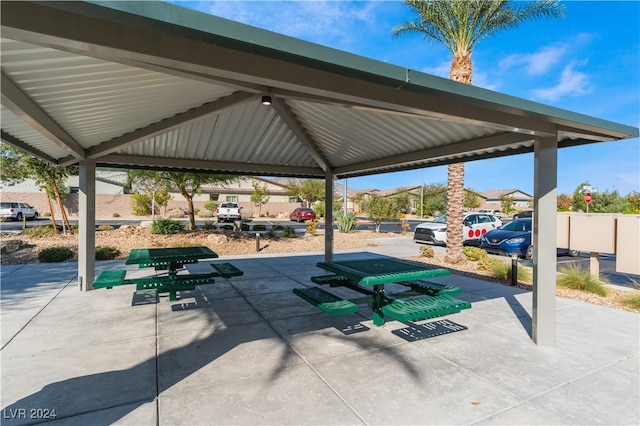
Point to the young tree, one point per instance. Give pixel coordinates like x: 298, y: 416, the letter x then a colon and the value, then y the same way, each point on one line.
x: 460, y: 25
x: 633, y: 203
x: 579, y: 204
x: 403, y: 200
x: 565, y: 202
x: 18, y: 166
x: 187, y: 183
x: 260, y: 195
x: 308, y: 190
x: 471, y: 199
x: 381, y: 208
x: 506, y: 203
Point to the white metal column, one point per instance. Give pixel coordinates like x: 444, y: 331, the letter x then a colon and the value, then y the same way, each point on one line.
x: 544, y: 240
x: 87, y: 225
x: 328, y: 217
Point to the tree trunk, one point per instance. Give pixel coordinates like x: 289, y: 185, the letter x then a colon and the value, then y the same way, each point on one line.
x: 192, y: 217
x: 61, y: 204
x: 455, y: 200
x: 53, y: 218
x: 461, y: 68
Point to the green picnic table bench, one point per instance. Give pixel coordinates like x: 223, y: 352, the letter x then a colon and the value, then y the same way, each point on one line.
x: 369, y: 276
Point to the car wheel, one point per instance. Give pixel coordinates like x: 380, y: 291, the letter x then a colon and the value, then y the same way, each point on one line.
x: 35, y: 216
x: 529, y: 253
x: 573, y: 253
x: 19, y: 217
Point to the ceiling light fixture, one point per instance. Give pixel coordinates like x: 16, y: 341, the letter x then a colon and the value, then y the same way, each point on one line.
x: 266, y: 100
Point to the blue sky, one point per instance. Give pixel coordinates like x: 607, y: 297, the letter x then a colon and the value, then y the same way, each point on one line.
x: 588, y: 62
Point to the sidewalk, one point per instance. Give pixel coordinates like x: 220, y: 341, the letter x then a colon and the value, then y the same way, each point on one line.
x: 248, y: 351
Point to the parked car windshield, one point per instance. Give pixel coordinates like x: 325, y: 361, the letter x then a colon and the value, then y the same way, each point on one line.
x: 518, y: 225
x: 441, y: 219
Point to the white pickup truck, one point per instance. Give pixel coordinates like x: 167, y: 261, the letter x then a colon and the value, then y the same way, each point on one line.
x: 229, y: 212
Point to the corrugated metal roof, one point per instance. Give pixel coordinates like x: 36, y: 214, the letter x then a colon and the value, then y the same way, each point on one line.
x: 156, y: 85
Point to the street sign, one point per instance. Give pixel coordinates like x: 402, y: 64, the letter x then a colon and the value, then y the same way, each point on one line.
x: 587, y: 197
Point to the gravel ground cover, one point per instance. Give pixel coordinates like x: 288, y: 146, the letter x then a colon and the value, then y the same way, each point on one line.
x: 228, y: 243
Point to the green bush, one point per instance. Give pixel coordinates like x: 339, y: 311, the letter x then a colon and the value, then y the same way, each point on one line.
x: 209, y: 224
x: 227, y: 227
x: 105, y: 228
x: 244, y: 227
x: 42, y: 230
x: 107, y: 253
x: 426, y: 251
x: 116, y: 214
x: 487, y: 263
x: 166, y: 226
x: 502, y: 271
x: 474, y: 253
x: 289, y: 232
x: 141, y: 204
x: 278, y: 228
x: 54, y: 254
x: 579, y: 278
x: 211, y: 206
x: 259, y: 227
x: 632, y: 299
x: 346, y: 222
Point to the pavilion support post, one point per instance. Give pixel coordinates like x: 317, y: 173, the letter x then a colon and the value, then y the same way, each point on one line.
x: 544, y: 240
x: 328, y: 217
x: 87, y: 225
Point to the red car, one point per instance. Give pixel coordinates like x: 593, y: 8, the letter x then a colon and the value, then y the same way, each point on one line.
x: 302, y: 213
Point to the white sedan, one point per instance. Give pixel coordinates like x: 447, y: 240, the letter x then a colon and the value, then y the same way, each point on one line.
x: 475, y: 225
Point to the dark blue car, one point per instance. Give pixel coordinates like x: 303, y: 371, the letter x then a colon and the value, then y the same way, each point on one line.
x: 515, y: 235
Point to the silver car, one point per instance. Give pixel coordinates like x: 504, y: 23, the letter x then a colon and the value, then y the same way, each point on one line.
x: 10, y: 210
x: 474, y: 225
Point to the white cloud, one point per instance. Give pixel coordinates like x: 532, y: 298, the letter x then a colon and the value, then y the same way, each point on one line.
x: 536, y: 63
x: 572, y: 83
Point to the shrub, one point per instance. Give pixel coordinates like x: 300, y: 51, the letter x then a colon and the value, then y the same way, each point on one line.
x: 474, y: 253
x: 278, y: 228
x: 116, y: 214
x: 244, y: 227
x: 312, y: 226
x: 54, y: 254
x: 211, y: 206
x: 105, y: 228
x: 346, y: 222
x: 426, y: 251
x: 107, y: 253
x: 633, y: 298
x: 209, y: 224
x: 487, y: 263
x: 42, y: 230
x: 579, y: 278
x: 227, y: 227
x: 140, y: 204
x: 166, y: 226
x: 259, y: 227
x: 502, y: 271
x: 289, y: 232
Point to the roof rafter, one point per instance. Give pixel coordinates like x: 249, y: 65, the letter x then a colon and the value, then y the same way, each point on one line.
x: 167, y: 124
x: 24, y: 107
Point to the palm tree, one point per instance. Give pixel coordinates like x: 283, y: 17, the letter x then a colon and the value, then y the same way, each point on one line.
x: 461, y: 25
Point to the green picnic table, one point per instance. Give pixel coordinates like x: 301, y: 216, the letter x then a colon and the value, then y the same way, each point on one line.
x: 171, y: 260
x: 369, y: 277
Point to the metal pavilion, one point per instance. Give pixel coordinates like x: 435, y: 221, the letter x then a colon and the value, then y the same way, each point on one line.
x: 154, y: 85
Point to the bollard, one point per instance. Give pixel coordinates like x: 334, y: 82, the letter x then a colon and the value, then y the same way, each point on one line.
x: 514, y: 268
x: 257, y: 241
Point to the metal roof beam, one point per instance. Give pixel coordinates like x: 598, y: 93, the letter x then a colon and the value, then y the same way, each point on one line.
x: 205, y: 166
x: 167, y: 124
x: 15, y: 142
x: 291, y: 120
x: 479, y: 146
x: 24, y: 107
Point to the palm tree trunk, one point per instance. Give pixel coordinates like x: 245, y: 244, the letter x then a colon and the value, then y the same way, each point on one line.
x: 61, y: 204
x: 455, y: 202
x: 461, y: 68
